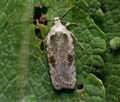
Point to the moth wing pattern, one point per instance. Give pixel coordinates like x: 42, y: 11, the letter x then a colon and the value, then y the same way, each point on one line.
x: 61, y: 57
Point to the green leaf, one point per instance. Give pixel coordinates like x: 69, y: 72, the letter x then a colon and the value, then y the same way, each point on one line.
x: 112, y: 58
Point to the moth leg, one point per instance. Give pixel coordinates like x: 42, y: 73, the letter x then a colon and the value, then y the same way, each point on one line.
x: 77, y: 41
x: 43, y: 43
x: 37, y: 21
x: 45, y: 40
x: 68, y: 24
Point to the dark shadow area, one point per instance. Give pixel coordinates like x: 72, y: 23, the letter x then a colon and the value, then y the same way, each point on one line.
x: 103, y: 7
x: 64, y: 91
x: 115, y: 52
x: 100, y: 75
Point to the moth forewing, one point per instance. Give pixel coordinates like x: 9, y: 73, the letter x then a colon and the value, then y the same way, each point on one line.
x: 61, y: 57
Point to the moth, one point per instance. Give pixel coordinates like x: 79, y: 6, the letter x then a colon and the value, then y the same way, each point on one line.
x: 61, y: 58
x: 61, y: 55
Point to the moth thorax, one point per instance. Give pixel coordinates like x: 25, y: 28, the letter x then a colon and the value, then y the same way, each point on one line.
x: 56, y: 20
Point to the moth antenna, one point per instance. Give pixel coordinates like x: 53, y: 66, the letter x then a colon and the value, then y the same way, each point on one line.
x: 67, y: 12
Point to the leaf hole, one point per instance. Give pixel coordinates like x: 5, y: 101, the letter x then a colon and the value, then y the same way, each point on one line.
x: 80, y: 86
x: 40, y: 15
x: 38, y: 33
x: 42, y: 46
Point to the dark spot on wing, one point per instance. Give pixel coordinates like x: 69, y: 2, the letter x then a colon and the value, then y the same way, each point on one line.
x: 70, y: 58
x: 52, y: 60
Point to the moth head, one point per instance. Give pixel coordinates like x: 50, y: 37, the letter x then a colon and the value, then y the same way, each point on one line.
x: 56, y: 20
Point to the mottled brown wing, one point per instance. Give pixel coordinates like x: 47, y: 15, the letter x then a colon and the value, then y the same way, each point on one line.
x: 61, y: 61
